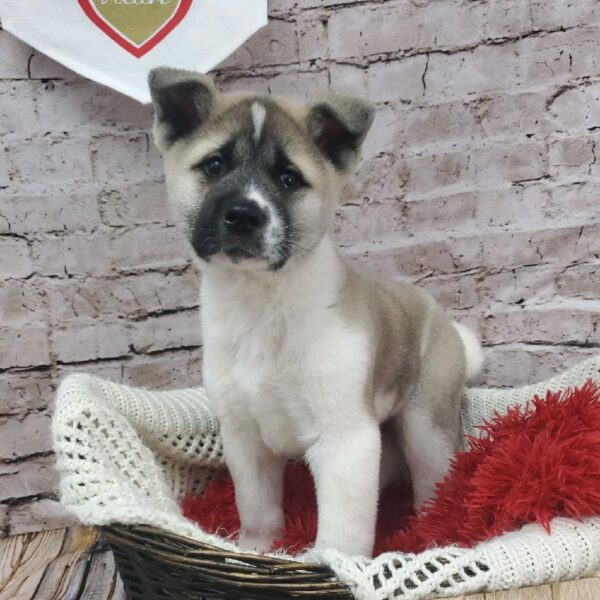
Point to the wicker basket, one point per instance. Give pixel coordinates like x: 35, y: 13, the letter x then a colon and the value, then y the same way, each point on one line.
x: 126, y: 458
x: 157, y: 564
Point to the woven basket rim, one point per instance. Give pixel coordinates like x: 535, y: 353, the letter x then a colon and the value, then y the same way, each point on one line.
x: 241, y: 570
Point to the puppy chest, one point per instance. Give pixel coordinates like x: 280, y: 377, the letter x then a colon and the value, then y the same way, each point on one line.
x: 292, y: 383
x: 275, y: 397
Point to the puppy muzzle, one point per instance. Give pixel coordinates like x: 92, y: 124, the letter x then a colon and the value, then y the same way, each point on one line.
x: 237, y: 229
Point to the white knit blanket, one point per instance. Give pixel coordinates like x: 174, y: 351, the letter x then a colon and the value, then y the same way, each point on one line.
x: 129, y: 455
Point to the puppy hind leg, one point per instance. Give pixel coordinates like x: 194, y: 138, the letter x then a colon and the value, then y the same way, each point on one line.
x: 427, y: 449
x: 429, y: 424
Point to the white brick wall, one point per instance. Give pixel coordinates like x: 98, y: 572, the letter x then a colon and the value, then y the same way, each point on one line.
x: 479, y: 180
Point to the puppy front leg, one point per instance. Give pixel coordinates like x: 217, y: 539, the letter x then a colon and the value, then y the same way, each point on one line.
x: 258, y: 480
x: 345, y: 466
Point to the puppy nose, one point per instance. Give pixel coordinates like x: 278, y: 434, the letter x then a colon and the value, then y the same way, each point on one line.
x: 244, y: 217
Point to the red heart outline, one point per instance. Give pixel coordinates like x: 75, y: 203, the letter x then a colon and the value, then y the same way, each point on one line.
x: 137, y: 51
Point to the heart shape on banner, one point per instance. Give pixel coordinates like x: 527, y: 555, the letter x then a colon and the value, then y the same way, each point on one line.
x: 136, y: 25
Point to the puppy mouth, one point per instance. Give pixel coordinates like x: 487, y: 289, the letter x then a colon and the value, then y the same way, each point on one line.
x: 240, y: 254
x: 238, y: 251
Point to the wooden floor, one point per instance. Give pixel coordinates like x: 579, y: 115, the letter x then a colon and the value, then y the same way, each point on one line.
x: 73, y: 564
x: 69, y: 564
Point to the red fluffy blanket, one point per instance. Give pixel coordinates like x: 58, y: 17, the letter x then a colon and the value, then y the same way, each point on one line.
x: 530, y: 465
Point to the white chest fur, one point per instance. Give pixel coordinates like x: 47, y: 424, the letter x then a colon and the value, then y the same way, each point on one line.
x: 279, y: 356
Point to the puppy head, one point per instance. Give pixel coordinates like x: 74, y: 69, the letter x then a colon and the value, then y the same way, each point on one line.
x: 255, y: 179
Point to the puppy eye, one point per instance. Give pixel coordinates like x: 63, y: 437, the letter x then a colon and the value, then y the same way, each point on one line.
x: 291, y: 180
x: 214, y: 166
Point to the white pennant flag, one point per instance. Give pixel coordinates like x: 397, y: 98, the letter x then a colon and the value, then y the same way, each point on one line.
x: 117, y: 42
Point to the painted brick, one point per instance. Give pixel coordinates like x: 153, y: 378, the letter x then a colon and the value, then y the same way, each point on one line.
x: 349, y: 78
x: 47, y: 161
x: 107, y: 369
x: 23, y: 392
x: 439, y: 123
x: 150, y: 247
x: 38, y: 515
x: 24, y: 436
x: 298, y: 86
x: 15, y: 260
x: 522, y: 364
x: 300, y: 6
x: 17, y: 106
x: 516, y: 207
x: 128, y: 295
x: 48, y: 256
x: 528, y: 62
x: 373, y: 29
x: 145, y: 202
x: 15, y: 55
x: 429, y: 173
x: 543, y: 326
x: 163, y: 332
x: 516, y: 286
x: 396, y: 80
x: 122, y: 159
x: 386, y: 134
x: 369, y: 220
x: 24, y: 346
x: 572, y: 156
x: 27, y: 478
x: 579, y: 281
x: 480, y: 71
x: 509, y: 18
x: 554, y: 15
x: 43, y: 67
x: 20, y: 303
x: 543, y: 59
x: 111, y: 251
x: 444, y: 213
x: 82, y: 340
x: 275, y: 44
x: 399, y: 26
x: 522, y: 162
x: 381, y: 177
x: 36, y: 213
x: 552, y: 245
x: 454, y: 292
x: 285, y: 6
x: 165, y: 371
x: 575, y: 108
x: 420, y: 258
x: 521, y: 116
x: 83, y: 105
x: 81, y: 253
x: 4, y: 519
x: 88, y: 254
x: 313, y: 39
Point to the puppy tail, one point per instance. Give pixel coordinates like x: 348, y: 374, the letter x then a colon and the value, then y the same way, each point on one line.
x: 473, y: 351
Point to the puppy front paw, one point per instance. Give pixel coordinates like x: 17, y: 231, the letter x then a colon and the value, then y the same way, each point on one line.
x: 257, y: 541
x: 350, y: 545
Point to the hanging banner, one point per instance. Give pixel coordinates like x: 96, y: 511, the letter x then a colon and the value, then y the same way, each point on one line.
x: 117, y: 42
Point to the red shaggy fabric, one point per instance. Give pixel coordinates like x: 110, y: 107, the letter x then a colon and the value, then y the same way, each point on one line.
x: 530, y: 465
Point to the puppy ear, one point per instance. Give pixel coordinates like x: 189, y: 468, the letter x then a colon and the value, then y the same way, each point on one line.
x: 338, y: 125
x: 182, y: 102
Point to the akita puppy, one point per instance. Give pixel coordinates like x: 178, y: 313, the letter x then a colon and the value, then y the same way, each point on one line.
x: 305, y: 356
